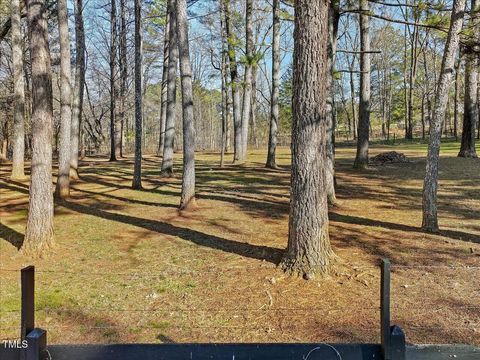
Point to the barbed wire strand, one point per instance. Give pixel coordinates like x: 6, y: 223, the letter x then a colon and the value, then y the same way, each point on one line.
x: 213, y: 269
x: 259, y: 309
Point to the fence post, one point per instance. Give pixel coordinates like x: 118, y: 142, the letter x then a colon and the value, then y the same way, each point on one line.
x: 385, y: 308
x: 397, y: 342
x: 36, y: 345
x: 28, y: 301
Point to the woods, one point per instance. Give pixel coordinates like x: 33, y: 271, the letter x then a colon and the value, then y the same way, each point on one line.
x: 314, y: 76
x: 245, y: 171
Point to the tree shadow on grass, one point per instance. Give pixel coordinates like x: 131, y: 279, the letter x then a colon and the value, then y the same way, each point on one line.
x: 12, y: 236
x: 16, y: 186
x: 98, y: 326
x: 257, y: 252
x: 349, y: 219
x: 165, y: 339
x: 123, y: 199
x: 257, y: 207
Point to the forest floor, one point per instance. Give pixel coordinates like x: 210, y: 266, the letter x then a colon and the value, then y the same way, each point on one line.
x: 128, y: 267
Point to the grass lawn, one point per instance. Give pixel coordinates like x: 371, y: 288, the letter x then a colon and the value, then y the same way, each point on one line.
x: 128, y: 267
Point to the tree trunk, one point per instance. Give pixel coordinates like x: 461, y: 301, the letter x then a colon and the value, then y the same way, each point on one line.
x: 423, y: 116
x: 235, y: 84
x: 188, y: 180
x: 390, y: 100
x: 456, y: 97
x: 167, y: 160
x: 471, y: 105
x: 430, y: 185
x: 225, y: 97
x: 412, y: 77
x: 405, y: 87
x: 333, y: 19
x: 163, y: 103
x: 426, y: 103
x: 274, y: 106
x: 352, y: 98
x: 223, y: 143
x: 229, y: 112
x: 309, y: 249
x: 247, y: 83
x: 137, y: 172
x: 63, y: 181
x: 18, y: 171
x: 383, y: 100
x: 39, y: 230
x: 123, y: 75
x: 253, y: 107
x: 113, y: 90
x: 77, y: 102
x: 478, y: 107
x: 361, y: 160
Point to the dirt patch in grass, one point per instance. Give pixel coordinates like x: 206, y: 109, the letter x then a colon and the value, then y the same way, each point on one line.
x: 128, y: 267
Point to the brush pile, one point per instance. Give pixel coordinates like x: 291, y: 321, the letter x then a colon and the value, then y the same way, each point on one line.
x: 390, y: 157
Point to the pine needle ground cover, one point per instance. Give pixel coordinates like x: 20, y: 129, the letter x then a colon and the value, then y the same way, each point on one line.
x: 127, y: 266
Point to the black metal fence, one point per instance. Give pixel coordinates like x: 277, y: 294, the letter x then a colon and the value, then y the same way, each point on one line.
x: 33, y: 345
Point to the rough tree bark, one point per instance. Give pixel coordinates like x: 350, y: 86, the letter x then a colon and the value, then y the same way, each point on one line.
x: 478, y: 103
x: 62, y: 189
x: 333, y: 19
x: 361, y: 160
x: 247, y: 81
x: 113, y: 90
x: 235, y: 83
x: 18, y: 171
x: 274, y: 106
x: 167, y: 160
x: 137, y: 171
x: 163, y: 101
x: 471, y: 105
x: 430, y: 185
x: 77, y: 102
x: 39, y: 230
x: 188, y: 179
x: 309, y: 249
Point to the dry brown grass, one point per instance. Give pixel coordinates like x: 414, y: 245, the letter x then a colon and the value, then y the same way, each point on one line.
x: 128, y: 267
